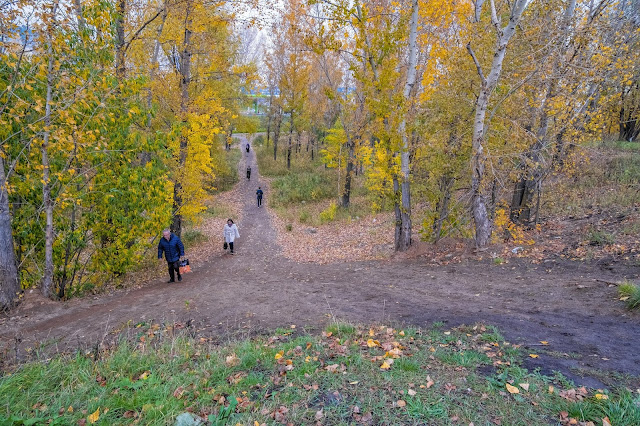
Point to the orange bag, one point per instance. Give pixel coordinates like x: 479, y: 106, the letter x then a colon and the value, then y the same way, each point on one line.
x: 184, y: 267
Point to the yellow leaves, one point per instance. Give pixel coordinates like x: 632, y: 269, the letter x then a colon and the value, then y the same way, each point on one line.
x: 544, y: 342
x: 512, y: 389
x: 551, y: 389
x: 372, y: 343
x: 94, y: 416
x: 279, y: 355
x: 601, y: 396
x: 533, y: 356
x: 386, y: 364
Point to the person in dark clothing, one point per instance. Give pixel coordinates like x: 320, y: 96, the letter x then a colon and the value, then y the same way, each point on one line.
x: 173, y: 249
x: 259, y: 196
x: 248, y: 173
x: 247, y: 148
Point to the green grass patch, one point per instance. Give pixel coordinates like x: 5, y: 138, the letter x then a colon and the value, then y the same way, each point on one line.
x: 630, y: 294
x: 334, y: 377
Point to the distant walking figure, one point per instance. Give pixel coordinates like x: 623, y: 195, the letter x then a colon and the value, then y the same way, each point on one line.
x: 259, y: 196
x: 230, y: 233
x: 173, y: 249
x: 248, y: 173
x: 247, y: 148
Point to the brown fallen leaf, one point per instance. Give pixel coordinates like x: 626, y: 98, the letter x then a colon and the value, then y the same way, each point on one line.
x: 606, y: 422
x: 232, y: 360
x: 319, y: 415
x: 411, y: 392
x: 400, y: 403
x: 178, y: 392
x: 430, y: 382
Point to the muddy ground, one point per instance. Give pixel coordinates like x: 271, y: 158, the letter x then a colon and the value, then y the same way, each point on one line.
x: 592, y: 337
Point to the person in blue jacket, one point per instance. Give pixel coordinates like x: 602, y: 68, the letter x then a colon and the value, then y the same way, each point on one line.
x: 173, y: 249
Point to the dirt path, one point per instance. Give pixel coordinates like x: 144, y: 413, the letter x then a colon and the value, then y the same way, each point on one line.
x: 258, y: 289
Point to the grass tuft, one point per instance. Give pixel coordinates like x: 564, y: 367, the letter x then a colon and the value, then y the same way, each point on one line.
x: 630, y: 293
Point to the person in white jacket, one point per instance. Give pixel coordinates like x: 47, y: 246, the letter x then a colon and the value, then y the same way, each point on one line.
x: 230, y: 233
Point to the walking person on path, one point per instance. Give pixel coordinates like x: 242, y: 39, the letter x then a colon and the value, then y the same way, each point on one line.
x: 247, y: 148
x: 259, y: 196
x: 249, y: 173
x: 173, y: 249
x: 230, y: 233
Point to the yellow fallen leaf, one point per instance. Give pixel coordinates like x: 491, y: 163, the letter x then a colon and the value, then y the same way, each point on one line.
x: 354, y: 383
x: 95, y: 416
x: 371, y: 332
x: 551, y: 389
x: 512, y: 389
x: 372, y: 343
x: 606, y: 422
x: 279, y: 355
x: 544, y: 342
x: 400, y: 403
x: 293, y: 326
x: 145, y: 375
x: 601, y: 396
x: 401, y: 333
x: 524, y: 386
x: 624, y: 298
x: 385, y: 365
x: 256, y: 423
x: 70, y: 409
x: 533, y: 355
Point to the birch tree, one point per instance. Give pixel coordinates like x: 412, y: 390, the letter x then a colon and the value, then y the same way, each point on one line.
x: 488, y: 84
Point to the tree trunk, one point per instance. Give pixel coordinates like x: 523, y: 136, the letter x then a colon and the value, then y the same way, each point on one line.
x: 120, y: 41
x: 442, y: 206
x: 478, y: 203
x: 398, y: 213
x: 289, y: 146
x: 346, y: 193
x: 276, y: 134
x: 403, y: 222
x: 47, y: 279
x: 9, y: 283
x: 185, y: 71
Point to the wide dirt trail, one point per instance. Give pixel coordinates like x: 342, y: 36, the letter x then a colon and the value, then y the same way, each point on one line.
x: 257, y: 289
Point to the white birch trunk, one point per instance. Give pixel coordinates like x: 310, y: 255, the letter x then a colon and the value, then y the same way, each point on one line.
x: 403, y: 231
x: 489, y: 83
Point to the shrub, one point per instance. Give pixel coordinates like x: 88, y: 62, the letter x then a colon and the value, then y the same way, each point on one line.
x: 329, y: 214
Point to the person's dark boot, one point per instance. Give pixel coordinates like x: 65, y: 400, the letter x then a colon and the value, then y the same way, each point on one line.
x: 179, y: 277
x: 170, y: 281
